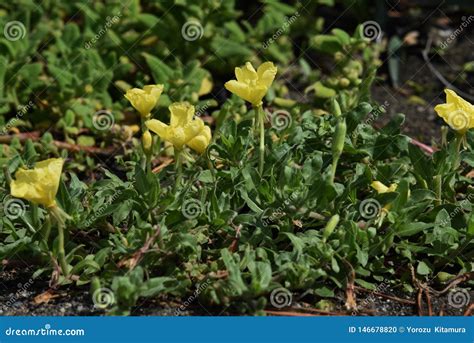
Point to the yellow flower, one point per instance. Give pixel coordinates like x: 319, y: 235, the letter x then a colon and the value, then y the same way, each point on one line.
x: 252, y: 85
x: 381, y: 188
x: 144, y: 100
x: 183, y: 129
x: 40, y: 184
x: 201, y: 141
x: 206, y: 86
x: 456, y: 112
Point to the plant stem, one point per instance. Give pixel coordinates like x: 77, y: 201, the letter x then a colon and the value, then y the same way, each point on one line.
x: 459, y: 141
x: 337, y: 146
x: 58, y: 216
x: 261, y: 125
x: 148, y: 161
x: 61, y: 252
x: 438, y: 183
x: 146, y: 158
x: 179, y: 167
x: 335, y: 161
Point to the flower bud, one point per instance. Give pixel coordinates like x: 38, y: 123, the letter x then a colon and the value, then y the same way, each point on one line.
x: 330, y: 226
x: 339, y: 138
x: 146, y: 140
x: 335, y: 108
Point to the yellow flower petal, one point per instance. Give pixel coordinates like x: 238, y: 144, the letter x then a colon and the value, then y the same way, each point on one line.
x: 193, y: 128
x: 184, y: 130
x: 456, y: 112
x: 246, y: 74
x: 181, y: 113
x: 154, y: 91
x: 144, y: 100
x: 198, y: 144
x: 40, y: 184
x: 206, y: 86
x: 158, y: 127
x: 201, y: 141
x: 252, y: 85
x: 392, y: 188
x: 266, y: 74
x: 242, y: 90
x: 257, y: 94
x: 177, y: 137
x: 381, y: 188
x: 206, y: 132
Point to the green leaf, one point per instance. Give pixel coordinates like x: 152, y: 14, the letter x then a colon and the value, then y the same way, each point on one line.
x: 324, y: 292
x: 410, y: 229
x: 326, y: 43
x: 160, y: 71
x: 423, y: 268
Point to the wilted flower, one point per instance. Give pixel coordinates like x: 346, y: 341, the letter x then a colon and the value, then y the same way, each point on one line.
x: 381, y: 188
x: 40, y: 184
x: 252, y: 85
x: 183, y: 129
x: 144, y: 100
x: 456, y: 112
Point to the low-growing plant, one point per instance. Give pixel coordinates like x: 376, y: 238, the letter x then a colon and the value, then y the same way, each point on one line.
x: 219, y: 201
